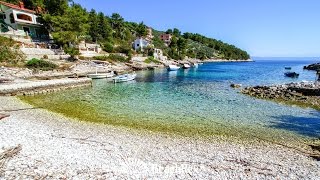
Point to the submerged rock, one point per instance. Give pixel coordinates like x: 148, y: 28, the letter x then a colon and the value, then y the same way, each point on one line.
x: 235, y: 85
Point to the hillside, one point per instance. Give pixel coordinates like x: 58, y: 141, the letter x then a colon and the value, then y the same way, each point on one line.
x: 70, y: 23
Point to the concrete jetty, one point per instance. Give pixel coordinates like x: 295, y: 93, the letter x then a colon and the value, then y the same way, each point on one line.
x: 42, y: 87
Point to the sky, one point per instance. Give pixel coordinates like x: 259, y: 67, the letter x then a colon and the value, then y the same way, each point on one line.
x: 265, y: 28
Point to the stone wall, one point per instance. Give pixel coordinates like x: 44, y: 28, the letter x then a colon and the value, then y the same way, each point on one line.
x: 42, y: 87
x: 53, y: 54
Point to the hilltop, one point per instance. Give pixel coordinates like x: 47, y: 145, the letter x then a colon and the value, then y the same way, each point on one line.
x: 70, y: 23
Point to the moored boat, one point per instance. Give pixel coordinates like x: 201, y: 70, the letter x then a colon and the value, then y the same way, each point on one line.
x: 186, y: 66
x: 173, y: 68
x: 291, y: 74
x: 195, y: 65
x: 124, y: 78
x: 100, y: 75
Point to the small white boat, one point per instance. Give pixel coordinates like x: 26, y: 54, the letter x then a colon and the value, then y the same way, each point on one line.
x: 186, y: 66
x: 173, y: 68
x: 124, y: 78
x: 195, y: 65
x: 100, y: 75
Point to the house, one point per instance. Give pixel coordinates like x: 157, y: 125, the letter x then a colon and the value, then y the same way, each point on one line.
x: 158, y: 54
x: 166, y: 38
x: 140, y: 44
x: 89, y: 49
x: 17, y: 20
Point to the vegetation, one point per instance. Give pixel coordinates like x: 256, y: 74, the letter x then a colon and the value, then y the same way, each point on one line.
x: 111, y: 58
x: 39, y: 64
x: 9, y: 52
x: 69, y: 23
x: 151, y: 59
x: 197, y: 46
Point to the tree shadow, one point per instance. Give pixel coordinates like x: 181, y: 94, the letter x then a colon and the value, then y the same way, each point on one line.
x: 307, y: 126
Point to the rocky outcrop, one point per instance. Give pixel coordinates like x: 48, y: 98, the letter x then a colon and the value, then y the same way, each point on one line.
x: 304, y: 93
x: 313, y: 67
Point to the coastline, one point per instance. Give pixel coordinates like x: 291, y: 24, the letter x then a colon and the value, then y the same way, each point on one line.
x: 224, y: 60
x: 53, y: 146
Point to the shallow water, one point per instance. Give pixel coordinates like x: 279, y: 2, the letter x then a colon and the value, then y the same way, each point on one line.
x: 194, y: 102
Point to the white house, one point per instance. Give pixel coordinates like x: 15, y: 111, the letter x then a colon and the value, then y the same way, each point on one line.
x: 140, y: 44
x: 17, y: 19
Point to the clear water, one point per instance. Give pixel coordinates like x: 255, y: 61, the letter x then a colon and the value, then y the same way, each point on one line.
x: 195, y: 101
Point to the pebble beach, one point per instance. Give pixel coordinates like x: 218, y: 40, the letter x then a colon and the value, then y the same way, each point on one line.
x: 51, y: 146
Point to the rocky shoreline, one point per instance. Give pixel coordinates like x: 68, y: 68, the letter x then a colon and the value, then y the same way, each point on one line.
x: 305, y: 94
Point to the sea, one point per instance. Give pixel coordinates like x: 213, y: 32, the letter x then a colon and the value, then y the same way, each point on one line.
x: 195, y: 102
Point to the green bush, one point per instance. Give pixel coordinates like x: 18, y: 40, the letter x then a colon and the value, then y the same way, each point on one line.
x: 112, y: 58
x: 108, y: 47
x: 125, y: 49
x: 151, y: 60
x: 101, y: 58
x: 10, y: 53
x: 118, y: 58
x: 72, y: 51
x: 39, y: 64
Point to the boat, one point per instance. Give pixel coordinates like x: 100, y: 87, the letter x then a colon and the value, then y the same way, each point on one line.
x: 291, y: 74
x: 287, y: 68
x: 186, y: 66
x: 173, y: 68
x: 100, y: 75
x: 195, y: 65
x: 124, y: 78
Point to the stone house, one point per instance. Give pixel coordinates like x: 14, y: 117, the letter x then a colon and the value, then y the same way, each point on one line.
x: 166, y: 38
x: 20, y: 21
x: 140, y: 44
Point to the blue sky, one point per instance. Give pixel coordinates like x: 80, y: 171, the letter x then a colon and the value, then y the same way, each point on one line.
x: 281, y: 28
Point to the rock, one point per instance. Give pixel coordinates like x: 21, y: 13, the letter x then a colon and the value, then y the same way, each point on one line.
x: 2, y: 116
x: 235, y: 85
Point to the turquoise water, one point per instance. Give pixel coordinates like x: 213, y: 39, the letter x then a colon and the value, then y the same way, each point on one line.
x: 195, y: 101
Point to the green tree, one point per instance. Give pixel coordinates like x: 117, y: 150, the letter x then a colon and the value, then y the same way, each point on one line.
x: 169, y: 31
x: 94, y: 26
x: 176, y: 32
x: 104, y: 27
x: 141, y: 30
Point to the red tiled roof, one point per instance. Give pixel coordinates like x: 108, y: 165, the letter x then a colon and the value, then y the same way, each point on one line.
x: 13, y: 6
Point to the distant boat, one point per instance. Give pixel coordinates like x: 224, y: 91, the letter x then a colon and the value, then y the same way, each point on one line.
x: 291, y: 74
x: 173, y: 68
x: 287, y: 68
x: 186, y: 66
x: 124, y: 78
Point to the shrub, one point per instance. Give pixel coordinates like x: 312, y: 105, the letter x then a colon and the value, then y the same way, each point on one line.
x: 10, y: 53
x: 115, y: 57
x: 112, y: 58
x: 101, y: 58
x: 108, y: 47
x: 72, y: 51
x: 125, y: 49
x: 39, y: 64
x: 151, y: 60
